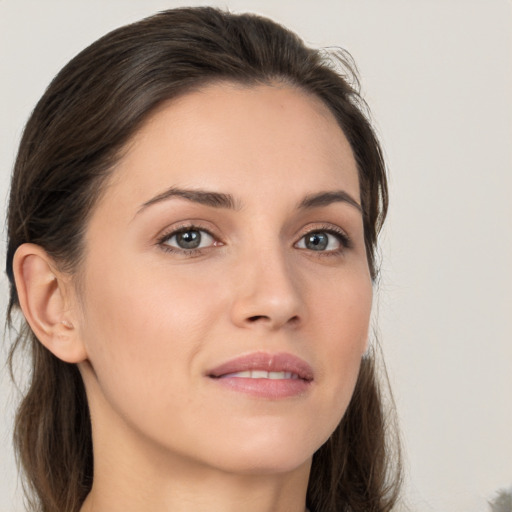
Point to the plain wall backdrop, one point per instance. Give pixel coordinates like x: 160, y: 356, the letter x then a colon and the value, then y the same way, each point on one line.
x: 438, y: 77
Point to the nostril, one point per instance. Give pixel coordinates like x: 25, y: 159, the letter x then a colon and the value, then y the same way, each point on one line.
x: 294, y: 320
x: 258, y: 317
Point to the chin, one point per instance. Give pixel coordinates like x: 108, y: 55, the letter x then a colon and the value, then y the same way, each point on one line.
x: 267, y: 452
x: 263, y: 463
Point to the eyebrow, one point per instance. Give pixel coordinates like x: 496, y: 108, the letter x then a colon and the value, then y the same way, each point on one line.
x: 213, y: 199
x: 326, y: 198
x: 221, y: 200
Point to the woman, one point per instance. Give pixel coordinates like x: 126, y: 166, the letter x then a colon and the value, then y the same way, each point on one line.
x: 192, y: 230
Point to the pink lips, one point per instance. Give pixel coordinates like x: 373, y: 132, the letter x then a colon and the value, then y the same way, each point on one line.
x: 291, y: 375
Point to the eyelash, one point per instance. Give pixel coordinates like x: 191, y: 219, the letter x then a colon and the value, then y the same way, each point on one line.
x: 341, y: 236
x: 184, y: 229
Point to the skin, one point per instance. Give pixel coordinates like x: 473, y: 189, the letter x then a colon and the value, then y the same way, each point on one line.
x: 150, y: 323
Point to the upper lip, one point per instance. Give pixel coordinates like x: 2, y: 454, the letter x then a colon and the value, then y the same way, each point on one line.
x: 264, y: 361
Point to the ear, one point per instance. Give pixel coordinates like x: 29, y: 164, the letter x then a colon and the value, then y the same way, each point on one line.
x: 47, y: 299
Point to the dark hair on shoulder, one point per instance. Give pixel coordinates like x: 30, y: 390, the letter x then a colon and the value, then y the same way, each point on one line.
x: 72, y: 140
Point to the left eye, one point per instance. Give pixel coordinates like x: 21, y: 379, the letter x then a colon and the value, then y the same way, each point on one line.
x: 320, y: 241
x: 189, y: 239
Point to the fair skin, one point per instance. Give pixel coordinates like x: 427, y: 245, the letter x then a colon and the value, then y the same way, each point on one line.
x: 150, y: 316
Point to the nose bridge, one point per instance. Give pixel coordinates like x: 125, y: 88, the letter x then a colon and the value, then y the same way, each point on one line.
x: 267, y: 289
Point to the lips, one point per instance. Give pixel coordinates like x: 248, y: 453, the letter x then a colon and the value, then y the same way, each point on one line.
x: 265, y: 376
x: 261, y: 374
x: 262, y: 365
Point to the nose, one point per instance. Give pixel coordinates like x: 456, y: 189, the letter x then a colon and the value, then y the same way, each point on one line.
x: 267, y: 293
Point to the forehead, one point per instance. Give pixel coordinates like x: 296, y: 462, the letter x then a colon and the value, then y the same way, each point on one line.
x: 241, y: 140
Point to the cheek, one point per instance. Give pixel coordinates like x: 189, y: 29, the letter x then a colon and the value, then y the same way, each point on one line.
x: 343, y: 308
x: 142, y: 331
x: 344, y: 317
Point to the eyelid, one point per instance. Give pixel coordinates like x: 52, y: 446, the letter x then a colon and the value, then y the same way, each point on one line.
x: 183, y: 227
x: 332, y: 229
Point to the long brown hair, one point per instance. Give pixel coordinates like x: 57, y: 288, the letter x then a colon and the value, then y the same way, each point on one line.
x: 73, y: 138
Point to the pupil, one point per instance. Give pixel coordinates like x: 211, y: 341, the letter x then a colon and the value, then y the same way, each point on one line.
x: 317, y: 241
x: 188, y: 239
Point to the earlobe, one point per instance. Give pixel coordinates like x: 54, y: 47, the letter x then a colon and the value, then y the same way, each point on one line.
x: 45, y: 296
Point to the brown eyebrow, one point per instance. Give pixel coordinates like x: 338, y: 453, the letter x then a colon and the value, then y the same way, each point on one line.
x: 327, y: 198
x: 221, y: 200
x: 213, y: 199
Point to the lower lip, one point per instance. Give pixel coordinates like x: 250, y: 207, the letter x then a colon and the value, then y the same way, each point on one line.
x: 265, y: 388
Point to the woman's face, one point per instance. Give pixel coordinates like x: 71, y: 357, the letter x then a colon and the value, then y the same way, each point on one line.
x: 225, y: 293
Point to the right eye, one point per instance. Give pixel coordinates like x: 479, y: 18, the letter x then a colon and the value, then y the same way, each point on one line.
x: 187, y: 240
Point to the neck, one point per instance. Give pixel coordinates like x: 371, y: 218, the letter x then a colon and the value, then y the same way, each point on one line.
x: 130, y: 486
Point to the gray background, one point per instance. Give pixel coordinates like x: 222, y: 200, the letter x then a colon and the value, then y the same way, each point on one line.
x: 438, y: 76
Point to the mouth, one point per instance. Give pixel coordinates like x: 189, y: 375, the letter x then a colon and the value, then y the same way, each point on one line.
x: 264, y: 375
x: 260, y: 374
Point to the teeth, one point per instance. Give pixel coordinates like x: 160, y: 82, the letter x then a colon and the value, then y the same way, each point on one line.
x: 240, y: 374
x: 258, y: 374
x: 261, y: 374
x: 279, y: 375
